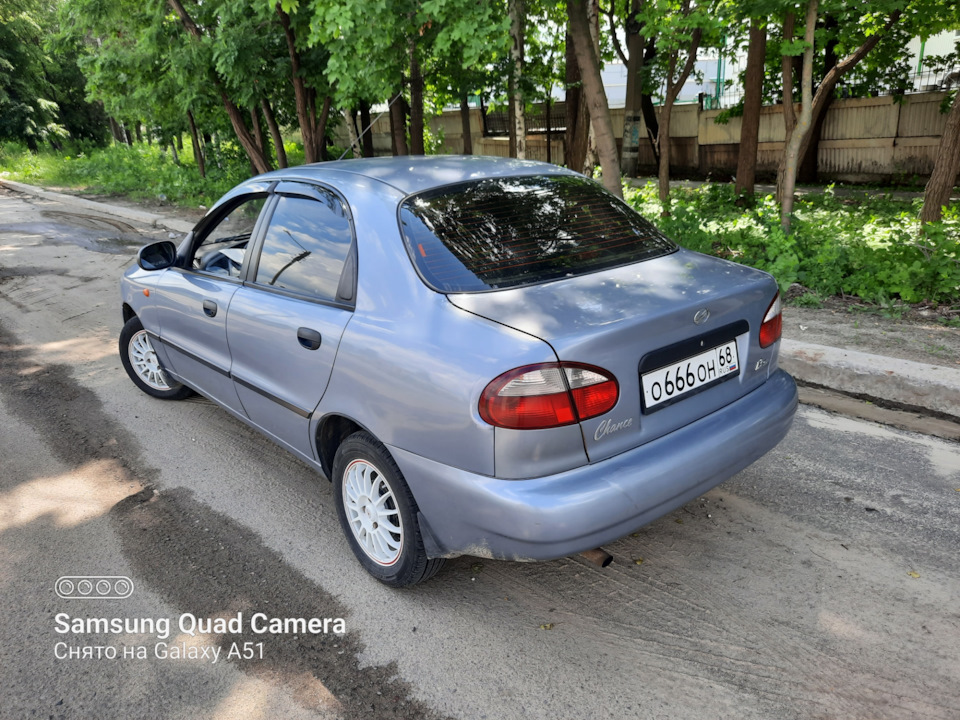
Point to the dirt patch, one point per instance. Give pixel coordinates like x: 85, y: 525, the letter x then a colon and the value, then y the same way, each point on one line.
x: 202, y: 562
x: 211, y: 566
x: 922, y: 333
x: 190, y: 214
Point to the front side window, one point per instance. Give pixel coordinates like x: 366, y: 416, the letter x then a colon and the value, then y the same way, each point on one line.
x: 514, y: 231
x: 222, y: 248
x: 306, y: 246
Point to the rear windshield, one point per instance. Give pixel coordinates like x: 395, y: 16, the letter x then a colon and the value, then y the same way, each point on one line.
x: 507, y: 232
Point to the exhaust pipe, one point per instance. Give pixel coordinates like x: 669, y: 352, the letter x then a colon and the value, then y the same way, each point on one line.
x: 598, y: 556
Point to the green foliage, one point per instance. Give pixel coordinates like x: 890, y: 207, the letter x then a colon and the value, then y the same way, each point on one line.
x: 41, y: 89
x: 869, y: 246
x: 145, y: 172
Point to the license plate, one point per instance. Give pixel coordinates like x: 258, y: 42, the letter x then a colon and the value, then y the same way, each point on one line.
x: 671, y: 382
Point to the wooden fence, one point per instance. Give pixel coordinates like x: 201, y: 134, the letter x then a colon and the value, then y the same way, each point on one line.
x: 863, y: 139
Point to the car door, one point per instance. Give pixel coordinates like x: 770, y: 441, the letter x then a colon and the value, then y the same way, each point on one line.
x: 285, y: 322
x: 195, y: 296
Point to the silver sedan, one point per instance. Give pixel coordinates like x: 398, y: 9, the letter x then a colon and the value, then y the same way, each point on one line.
x: 486, y: 356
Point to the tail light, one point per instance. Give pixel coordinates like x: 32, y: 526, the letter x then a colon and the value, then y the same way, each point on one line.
x: 772, y: 324
x: 546, y: 395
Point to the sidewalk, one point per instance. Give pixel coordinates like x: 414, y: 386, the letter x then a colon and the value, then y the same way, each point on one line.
x: 914, y: 386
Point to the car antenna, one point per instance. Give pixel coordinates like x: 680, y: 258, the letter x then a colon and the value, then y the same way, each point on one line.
x: 372, y: 123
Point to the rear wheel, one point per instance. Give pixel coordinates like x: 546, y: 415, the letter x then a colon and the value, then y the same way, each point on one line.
x: 140, y: 361
x: 378, y: 513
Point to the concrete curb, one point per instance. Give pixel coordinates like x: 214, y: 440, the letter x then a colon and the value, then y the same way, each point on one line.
x: 141, y: 216
x: 920, y: 385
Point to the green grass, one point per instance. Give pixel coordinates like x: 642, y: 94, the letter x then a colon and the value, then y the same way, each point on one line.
x: 870, y: 245
x: 141, y: 172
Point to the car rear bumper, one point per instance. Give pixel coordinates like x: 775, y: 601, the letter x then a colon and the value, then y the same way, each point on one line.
x: 558, y: 515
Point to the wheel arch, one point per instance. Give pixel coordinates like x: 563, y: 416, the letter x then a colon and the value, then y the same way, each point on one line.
x: 128, y: 312
x: 331, y: 432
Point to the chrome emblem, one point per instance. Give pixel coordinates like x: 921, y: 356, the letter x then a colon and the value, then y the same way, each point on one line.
x: 702, y: 316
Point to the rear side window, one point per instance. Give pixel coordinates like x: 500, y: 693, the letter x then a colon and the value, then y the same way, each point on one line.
x: 306, y: 246
x: 508, y: 232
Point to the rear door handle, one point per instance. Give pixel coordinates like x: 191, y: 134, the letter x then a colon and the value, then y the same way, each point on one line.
x: 210, y: 307
x: 310, y: 339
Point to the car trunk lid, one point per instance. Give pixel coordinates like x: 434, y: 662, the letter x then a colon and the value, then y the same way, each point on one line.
x: 641, y: 318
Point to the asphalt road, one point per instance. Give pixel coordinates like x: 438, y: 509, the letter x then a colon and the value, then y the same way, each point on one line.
x: 822, y: 582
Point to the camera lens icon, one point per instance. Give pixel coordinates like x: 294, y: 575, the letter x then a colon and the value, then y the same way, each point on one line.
x: 90, y: 587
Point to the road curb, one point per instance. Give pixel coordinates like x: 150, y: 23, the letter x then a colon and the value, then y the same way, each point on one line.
x: 141, y: 216
x: 904, y: 382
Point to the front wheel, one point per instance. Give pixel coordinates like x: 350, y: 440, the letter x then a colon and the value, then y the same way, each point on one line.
x: 140, y: 361
x: 378, y: 513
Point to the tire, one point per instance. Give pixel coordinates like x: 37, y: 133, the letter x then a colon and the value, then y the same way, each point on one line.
x: 372, y: 499
x: 140, y: 362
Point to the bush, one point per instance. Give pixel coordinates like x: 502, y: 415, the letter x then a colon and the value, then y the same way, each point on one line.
x: 871, y: 246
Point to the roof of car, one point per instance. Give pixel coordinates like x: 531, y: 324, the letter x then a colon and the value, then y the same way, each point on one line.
x: 415, y: 173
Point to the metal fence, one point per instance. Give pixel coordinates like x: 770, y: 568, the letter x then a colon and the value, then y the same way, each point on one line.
x: 927, y: 80
x: 496, y: 123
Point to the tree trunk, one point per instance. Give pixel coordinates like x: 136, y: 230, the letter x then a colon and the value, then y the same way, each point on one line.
x: 313, y: 139
x: 195, y: 139
x: 393, y: 131
x: 632, y: 114
x: 646, y: 104
x: 786, y: 76
x: 591, y: 159
x: 257, y: 129
x: 139, y: 132
x: 807, y: 169
x: 115, y: 130
x: 352, y: 133
x: 274, y: 132
x: 663, y: 148
x: 673, y: 90
x: 597, y: 99
x: 578, y: 117
x: 792, y: 150
x: 546, y: 113
x: 944, y: 175
x: 652, y: 123
x: 366, y: 131
x: 398, y: 125
x: 416, y: 102
x: 752, y: 103
x: 173, y: 151
x: 807, y: 166
x: 518, y: 131
x: 465, y: 130
x: 789, y: 112
x: 321, y: 132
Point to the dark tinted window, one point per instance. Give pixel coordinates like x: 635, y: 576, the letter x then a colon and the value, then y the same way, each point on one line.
x: 506, y: 232
x: 306, y: 246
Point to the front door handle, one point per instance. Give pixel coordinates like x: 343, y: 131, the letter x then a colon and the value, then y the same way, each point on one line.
x: 310, y: 339
x: 210, y: 308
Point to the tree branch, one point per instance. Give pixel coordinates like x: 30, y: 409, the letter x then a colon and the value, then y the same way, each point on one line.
x: 611, y: 17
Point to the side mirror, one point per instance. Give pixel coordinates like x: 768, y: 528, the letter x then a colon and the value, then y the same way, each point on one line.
x: 157, y: 256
